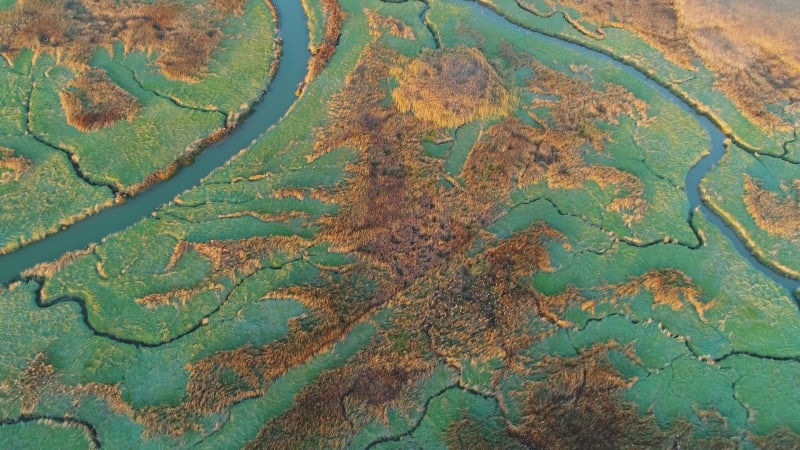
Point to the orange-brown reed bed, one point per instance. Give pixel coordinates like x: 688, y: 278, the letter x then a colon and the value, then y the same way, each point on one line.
x: 93, y: 101
x: 12, y: 166
x: 746, y: 43
x: 777, y: 213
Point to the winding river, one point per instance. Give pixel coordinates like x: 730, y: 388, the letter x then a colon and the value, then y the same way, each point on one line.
x: 280, y: 96
x: 696, y: 173
x: 277, y: 101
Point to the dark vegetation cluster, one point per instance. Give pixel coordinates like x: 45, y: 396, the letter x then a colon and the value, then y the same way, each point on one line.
x: 183, y: 36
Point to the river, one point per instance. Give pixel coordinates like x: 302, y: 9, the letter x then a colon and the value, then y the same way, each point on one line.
x: 273, y: 105
x: 277, y: 101
x: 697, y: 172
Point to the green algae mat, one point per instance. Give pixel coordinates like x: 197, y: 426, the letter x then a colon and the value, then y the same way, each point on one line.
x: 472, y: 229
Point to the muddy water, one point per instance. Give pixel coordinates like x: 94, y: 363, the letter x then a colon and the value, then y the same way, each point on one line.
x: 279, y: 97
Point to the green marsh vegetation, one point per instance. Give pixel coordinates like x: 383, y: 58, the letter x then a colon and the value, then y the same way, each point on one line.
x: 106, y: 99
x: 399, y: 263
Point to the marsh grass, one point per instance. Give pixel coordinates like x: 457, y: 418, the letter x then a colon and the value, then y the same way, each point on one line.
x: 12, y: 166
x: 93, y: 101
x: 451, y: 87
x: 746, y: 44
x: 776, y: 212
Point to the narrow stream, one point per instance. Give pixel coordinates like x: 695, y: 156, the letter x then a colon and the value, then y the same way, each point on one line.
x: 696, y: 173
x: 280, y: 96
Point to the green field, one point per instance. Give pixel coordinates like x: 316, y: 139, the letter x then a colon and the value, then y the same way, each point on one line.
x: 363, y: 276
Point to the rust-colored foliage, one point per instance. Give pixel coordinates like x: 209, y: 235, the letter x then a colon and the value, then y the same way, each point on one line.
x: 507, y: 156
x: 378, y: 24
x: 575, y: 402
x: 450, y: 87
x: 395, y: 213
x: 746, y: 43
x: 94, y: 101
x: 483, y: 309
x: 341, y: 401
x: 12, y: 166
x: 779, y: 439
x: 669, y: 287
x: 513, y: 155
x: 777, y: 213
x: 229, y: 259
x: 334, y: 19
x: 183, y: 36
x: 37, y: 381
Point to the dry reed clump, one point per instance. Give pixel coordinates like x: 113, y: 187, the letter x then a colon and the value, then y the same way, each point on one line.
x: 507, y: 156
x: 654, y: 20
x: 777, y: 213
x: 512, y: 155
x: 395, y: 213
x: 748, y: 44
x: 451, y: 87
x: 342, y: 401
x: 182, y: 35
x: 37, y: 381
x: 378, y: 24
x: 93, y: 101
x: 334, y: 17
x: 12, y: 166
x: 230, y: 259
x: 482, y: 309
x: 576, y: 402
x: 669, y: 287
x: 225, y: 378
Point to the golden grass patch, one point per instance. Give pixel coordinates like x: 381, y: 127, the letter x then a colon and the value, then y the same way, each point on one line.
x: 451, y: 87
x: 93, y: 101
x: 750, y: 45
x: 12, y: 166
x: 379, y: 23
x: 777, y: 213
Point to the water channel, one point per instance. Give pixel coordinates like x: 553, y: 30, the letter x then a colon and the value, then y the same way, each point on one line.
x: 280, y: 96
x: 277, y: 101
x: 697, y: 172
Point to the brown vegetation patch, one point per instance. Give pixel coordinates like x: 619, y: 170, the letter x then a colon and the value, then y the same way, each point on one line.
x: 395, y: 213
x: 12, y: 166
x: 512, y: 155
x: 777, y: 213
x: 334, y: 17
x: 229, y: 258
x: 378, y: 24
x: 748, y: 44
x: 450, y: 87
x: 483, y: 308
x: 575, y: 402
x: 182, y: 35
x: 669, y: 287
x: 342, y: 401
x: 94, y: 101
x: 336, y: 302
